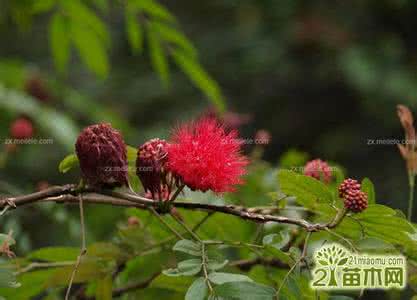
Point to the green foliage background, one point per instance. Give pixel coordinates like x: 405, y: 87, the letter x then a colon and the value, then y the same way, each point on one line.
x: 323, y: 77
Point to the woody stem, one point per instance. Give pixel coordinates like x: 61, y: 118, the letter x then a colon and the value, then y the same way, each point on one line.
x: 411, y: 180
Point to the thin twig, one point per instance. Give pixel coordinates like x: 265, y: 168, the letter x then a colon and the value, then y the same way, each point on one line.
x: 135, y: 286
x: 177, y: 192
x: 342, y: 238
x: 302, y: 257
x: 195, y: 236
x: 4, y: 210
x: 161, y: 219
x: 82, y: 252
x: 38, y: 265
x: 411, y: 181
x: 205, y: 271
x: 171, y: 238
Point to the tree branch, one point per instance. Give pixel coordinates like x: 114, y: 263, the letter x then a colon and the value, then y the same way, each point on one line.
x: 135, y: 286
x: 68, y: 194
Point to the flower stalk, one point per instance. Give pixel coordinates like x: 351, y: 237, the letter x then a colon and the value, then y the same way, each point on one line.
x: 408, y: 152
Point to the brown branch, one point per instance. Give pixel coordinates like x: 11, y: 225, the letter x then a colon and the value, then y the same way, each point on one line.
x: 30, y: 198
x: 247, y: 264
x: 68, y: 194
x: 135, y: 286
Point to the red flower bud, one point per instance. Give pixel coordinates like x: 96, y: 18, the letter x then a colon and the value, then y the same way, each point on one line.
x: 356, y: 201
x: 102, y: 155
x: 348, y: 185
x: 353, y: 198
x: 318, y: 169
x: 35, y: 87
x: 21, y: 128
x: 151, y: 169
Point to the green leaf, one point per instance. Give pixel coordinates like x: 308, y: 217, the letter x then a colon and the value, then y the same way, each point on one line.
x: 281, y: 255
x: 188, y: 247
x: 307, y: 190
x: 220, y: 278
x: 31, y: 284
x: 178, y: 284
x: 86, y: 19
x: 158, y: 58
x: 55, y: 254
x: 131, y: 161
x: 42, y: 6
x: 59, y: 41
x: 88, y: 270
x: 103, y: 5
x: 215, y: 265
x: 374, y: 245
x: 154, y: 9
x: 133, y: 30
x: 175, y: 37
x: 8, y: 279
x: 198, y: 290
x: 90, y: 48
x: 368, y: 187
x: 104, y: 288
x: 106, y: 251
x: 200, y: 78
x: 380, y: 222
x: 173, y: 272
x: 293, y: 158
x: 245, y: 291
x: 69, y: 162
x: 190, y: 266
x: 277, y: 240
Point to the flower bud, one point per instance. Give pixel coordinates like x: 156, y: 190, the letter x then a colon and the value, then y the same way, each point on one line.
x: 152, y: 171
x: 21, y: 128
x: 318, y: 169
x: 102, y: 155
x: 36, y: 87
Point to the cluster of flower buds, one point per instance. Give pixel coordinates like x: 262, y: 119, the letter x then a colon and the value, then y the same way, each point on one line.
x: 354, y: 199
x: 318, y: 169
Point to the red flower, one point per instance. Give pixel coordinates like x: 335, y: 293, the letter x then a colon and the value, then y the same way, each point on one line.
x: 206, y: 157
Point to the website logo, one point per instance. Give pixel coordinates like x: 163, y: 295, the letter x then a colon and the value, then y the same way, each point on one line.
x: 338, y: 268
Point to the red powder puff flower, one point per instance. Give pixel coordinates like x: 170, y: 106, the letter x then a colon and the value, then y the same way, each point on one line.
x: 102, y: 155
x: 318, y: 169
x: 21, y: 128
x: 206, y: 157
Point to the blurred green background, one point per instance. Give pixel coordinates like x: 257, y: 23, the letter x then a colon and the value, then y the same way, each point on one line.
x: 323, y: 77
